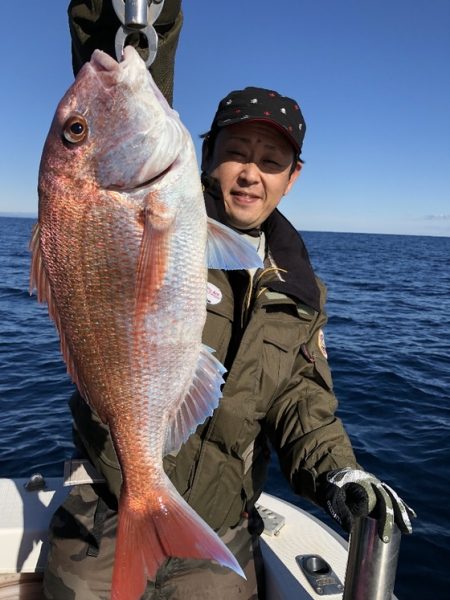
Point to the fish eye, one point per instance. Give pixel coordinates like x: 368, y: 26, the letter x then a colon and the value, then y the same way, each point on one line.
x: 75, y: 129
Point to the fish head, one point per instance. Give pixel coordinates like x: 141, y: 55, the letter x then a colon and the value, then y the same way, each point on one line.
x: 113, y: 129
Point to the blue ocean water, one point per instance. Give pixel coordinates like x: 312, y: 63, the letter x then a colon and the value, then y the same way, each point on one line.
x: 388, y: 344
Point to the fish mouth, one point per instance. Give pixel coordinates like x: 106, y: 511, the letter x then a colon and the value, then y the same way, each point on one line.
x: 144, y: 185
x: 103, y: 62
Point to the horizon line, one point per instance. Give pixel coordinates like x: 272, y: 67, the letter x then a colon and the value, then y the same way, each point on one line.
x: 26, y: 215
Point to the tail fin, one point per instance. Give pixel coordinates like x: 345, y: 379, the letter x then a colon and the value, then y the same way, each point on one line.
x: 168, y: 528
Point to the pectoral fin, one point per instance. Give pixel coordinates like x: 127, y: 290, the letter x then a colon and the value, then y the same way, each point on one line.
x: 153, y: 256
x: 228, y: 250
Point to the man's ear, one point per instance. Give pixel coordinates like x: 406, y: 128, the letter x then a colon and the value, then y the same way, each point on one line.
x: 293, y: 177
x: 206, y: 155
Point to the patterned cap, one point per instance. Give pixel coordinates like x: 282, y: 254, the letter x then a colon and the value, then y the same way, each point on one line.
x: 259, y: 104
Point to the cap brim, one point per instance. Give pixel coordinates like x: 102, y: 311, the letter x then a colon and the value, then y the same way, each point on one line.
x: 274, y: 124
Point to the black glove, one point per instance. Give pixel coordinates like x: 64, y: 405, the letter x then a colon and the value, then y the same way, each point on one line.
x: 348, y: 493
x: 94, y: 25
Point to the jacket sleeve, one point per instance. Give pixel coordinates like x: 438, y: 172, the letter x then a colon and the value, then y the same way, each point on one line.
x: 93, y: 440
x: 94, y: 25
x: 301, y: 422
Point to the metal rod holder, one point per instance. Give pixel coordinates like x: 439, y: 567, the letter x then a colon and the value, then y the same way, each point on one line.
x: 372, y: 563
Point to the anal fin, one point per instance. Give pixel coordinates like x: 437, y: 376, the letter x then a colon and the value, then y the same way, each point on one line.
x: 201, y: 400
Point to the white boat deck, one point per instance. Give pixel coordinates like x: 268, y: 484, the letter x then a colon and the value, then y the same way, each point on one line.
x: 24, y: 518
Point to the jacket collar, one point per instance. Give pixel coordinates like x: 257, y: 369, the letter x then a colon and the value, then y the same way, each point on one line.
x: 286, y: 247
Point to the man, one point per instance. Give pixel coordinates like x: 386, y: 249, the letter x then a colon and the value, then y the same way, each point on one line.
x: 266, y: 328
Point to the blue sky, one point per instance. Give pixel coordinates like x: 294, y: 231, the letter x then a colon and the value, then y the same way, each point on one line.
x: 372, y: 78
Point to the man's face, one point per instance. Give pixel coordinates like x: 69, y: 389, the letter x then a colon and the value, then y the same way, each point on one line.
x: 252, y: 162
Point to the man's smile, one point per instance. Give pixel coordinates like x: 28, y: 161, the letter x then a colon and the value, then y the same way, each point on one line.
x: 243, y: 197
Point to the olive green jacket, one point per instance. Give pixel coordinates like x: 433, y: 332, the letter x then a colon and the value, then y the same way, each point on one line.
x: 278, y: 390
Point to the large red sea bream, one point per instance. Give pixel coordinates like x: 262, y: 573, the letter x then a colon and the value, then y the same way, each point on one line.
x: 120, y: 256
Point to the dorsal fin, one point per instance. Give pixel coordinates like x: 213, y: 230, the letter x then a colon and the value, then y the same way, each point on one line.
x: 40, y: 281
x: 38, y: 276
